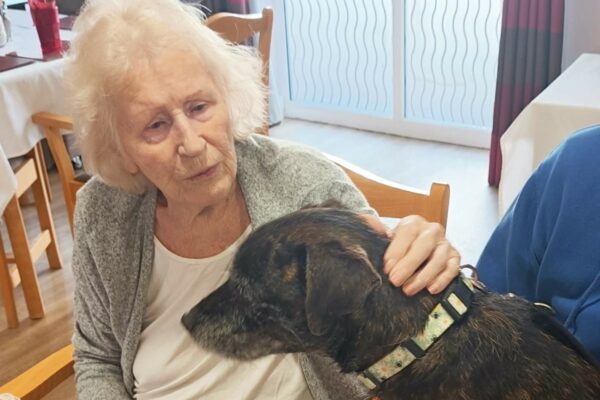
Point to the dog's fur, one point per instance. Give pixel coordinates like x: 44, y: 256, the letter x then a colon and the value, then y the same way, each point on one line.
x: 313, y: 281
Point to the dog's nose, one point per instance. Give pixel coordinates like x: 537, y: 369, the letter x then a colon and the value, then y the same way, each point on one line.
x: 188, y: 321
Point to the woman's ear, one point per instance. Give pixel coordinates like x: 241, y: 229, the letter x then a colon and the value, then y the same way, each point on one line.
x: 130, y: 166
x: 128, y: 163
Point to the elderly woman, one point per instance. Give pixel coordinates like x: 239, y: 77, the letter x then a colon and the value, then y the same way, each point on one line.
x: 165, y: 112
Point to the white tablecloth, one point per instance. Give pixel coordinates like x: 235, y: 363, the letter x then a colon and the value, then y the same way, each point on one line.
x: 23, y: 92
x: 570, y: 103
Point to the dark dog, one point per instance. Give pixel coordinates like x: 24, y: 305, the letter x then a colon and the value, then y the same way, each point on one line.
x: 313, y: 281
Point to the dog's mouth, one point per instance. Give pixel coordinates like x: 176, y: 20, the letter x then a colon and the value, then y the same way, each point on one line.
x: 238, y: 340
x: 217, y: 314
x: 228, y: 324
x: 248, y: 346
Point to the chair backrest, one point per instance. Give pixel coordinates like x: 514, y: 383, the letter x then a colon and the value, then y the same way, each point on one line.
x: 239, y: 28
x: 392, y: 200
x: 44, y: 376
x: 54, y: 127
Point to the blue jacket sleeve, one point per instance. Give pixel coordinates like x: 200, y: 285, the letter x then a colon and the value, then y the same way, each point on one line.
x: 547, y: 246
x: 507, y: 263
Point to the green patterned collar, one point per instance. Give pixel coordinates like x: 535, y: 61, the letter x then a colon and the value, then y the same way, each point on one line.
x: 454, y: 304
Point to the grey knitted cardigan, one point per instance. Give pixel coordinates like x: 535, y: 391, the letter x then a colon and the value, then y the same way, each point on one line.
x: 114, y: 250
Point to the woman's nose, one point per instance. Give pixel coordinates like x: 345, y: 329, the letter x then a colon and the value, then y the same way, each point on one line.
x: 192, y: 142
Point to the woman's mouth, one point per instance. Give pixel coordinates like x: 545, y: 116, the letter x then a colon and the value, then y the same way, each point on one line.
x: 207, y: 173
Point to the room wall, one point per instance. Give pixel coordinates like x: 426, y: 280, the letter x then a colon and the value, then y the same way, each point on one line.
x: 582, y: 30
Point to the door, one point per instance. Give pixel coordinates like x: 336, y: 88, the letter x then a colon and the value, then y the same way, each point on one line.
x: 423, y: 69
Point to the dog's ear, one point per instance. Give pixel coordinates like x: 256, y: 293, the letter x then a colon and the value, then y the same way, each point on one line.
x: 338, y: 280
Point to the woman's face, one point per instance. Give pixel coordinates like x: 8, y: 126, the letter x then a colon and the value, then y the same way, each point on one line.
x: 174, y: 129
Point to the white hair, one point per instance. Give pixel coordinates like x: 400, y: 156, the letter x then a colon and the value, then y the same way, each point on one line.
x: 112, y: 36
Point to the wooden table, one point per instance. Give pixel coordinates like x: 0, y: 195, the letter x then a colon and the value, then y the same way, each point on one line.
x: 24, y: 91
x: 570, y: 103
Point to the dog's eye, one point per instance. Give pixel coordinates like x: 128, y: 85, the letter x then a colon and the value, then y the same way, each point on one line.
x: 289, y: 272
x: 265, y: 311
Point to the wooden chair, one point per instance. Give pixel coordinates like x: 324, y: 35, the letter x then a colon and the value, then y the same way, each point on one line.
x: 43, y: 377
x: 388, y: 198
x: 392, y: 200
x: 9, y: 280
x: 54, y: 127
x: 29, y: 174
x: 239, y: 28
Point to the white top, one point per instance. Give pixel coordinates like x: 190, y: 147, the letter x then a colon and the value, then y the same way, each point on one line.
x: 170, y: 365
x: 570, y: 103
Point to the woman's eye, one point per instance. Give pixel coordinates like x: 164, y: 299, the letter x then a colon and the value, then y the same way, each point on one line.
x: 156, y: 131
x: 196, y: 108
x: 156, y: 125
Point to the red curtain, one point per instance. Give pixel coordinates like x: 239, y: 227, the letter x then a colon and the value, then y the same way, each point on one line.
x: 530, y: 59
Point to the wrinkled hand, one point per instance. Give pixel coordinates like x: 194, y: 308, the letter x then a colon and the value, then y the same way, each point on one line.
x: 419, y: 255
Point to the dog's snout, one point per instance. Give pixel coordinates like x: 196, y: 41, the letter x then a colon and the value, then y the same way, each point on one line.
x: 188, y: 321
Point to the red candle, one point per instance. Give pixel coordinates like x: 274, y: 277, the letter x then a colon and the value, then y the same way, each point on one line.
x: 45, y: 18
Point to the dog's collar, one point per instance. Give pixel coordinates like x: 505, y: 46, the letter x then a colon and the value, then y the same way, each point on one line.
x: 454, y: 304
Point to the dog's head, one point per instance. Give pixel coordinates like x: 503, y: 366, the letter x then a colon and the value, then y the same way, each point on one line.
x: 293, y: 280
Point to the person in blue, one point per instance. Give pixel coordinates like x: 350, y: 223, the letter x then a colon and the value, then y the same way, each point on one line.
x: 547, y: 246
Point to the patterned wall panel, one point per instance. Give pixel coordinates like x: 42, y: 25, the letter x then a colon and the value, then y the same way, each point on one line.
x: 340, y: 54
x: 450, y: 60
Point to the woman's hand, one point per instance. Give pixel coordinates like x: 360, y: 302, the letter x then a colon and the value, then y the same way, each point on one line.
x: 419, y: 255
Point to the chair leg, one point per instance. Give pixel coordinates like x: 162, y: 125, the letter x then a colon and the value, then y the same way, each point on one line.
x: 7, y: 287
x: 43, y: 209
x: 44, y: 171
x: 22, y: 254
